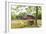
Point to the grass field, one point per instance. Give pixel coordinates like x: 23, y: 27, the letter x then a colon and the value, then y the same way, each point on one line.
x: 23, y: 23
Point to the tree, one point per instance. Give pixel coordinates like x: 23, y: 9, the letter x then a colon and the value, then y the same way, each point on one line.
x: 29, y: 10
x: 36, y: 15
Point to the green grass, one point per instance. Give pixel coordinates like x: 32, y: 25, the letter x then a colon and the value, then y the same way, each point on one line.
x: 22, y: 23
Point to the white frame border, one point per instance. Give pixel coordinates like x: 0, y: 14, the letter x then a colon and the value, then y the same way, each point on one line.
x: 7, y: 15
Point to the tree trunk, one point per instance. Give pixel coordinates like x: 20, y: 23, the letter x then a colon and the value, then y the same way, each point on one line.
x: 36, y: 15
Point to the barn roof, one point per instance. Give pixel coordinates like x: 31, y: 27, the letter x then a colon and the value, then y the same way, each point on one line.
x: 27, y: 17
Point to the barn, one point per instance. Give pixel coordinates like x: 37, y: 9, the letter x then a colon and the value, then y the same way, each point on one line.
x: 30, y: 19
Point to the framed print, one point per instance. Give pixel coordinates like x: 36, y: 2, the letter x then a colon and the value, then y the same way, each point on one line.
x: 23, y: 16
